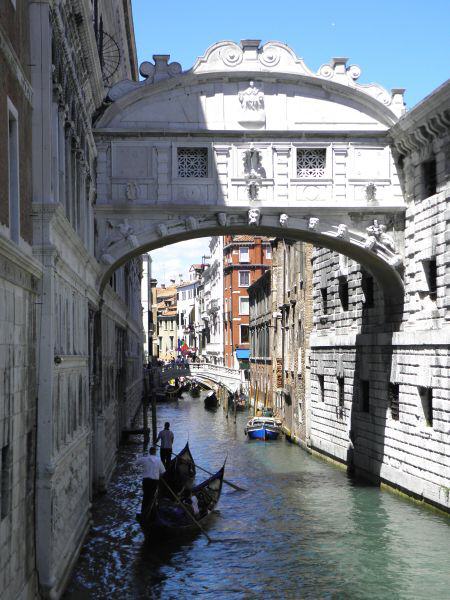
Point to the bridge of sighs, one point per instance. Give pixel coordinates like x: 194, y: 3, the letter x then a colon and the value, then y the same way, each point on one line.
x: 250, y: 140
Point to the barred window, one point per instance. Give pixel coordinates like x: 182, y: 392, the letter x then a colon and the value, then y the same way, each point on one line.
x: 192, y: 162
x: 394, y: 393
x: 311, y: 162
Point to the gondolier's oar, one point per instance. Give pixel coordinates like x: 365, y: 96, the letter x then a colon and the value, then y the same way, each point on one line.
x: 186, y: 510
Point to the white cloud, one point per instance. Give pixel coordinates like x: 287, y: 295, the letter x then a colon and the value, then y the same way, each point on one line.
x: 171, y: 261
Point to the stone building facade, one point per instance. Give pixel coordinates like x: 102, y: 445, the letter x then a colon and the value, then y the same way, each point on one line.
x: 20, y: 274
x: 245, y: 259
x: 291, y: 309
x: 261, y: 342
x: 70, y: 358
x: 380, y: 379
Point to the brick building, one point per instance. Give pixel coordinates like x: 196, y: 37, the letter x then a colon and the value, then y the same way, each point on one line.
x: 245, y: 258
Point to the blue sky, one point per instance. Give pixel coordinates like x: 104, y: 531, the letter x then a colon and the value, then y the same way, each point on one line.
x: 397, y: 43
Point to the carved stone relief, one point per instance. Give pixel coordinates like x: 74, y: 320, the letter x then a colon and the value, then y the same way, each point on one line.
x: 221, y: 219
x: 284, y: 218
x: 313, y: 223
x: 252, y: 112
x: 254, y: 216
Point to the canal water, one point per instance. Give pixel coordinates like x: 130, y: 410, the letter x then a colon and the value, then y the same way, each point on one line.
x: 303, y: 529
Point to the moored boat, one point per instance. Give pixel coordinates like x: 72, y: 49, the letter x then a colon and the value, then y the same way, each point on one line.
x: 195, y: 389
x: 211, y: 400
x: 263, y: 428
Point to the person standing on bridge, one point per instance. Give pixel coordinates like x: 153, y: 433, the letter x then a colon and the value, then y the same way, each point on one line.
x: 166, y: 437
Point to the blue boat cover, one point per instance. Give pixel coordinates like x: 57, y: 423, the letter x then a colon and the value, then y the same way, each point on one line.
x: 242, y: 354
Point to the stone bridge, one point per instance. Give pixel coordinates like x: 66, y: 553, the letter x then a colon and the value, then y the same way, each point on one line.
x: 210, y: 375
x: 250, y: 141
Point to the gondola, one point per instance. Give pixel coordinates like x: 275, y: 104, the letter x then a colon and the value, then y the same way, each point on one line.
x: 195, y: 389
x: 211, y: 401
x: 166, y: 516
x: 168, y: 394
x: 181, y: 471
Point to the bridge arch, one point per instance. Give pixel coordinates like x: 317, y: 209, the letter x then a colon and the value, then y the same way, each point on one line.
x: 364, y: 247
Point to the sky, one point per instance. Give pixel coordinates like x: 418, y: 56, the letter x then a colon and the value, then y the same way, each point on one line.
x: 397, y: 43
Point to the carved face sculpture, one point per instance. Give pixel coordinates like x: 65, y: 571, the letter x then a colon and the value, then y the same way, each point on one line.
x: 191, y: 223
x: 313, y: 223
x: 342, y: 230
x: 284, y: 218
x: 222, y: 219
x: 161, y: 230
x: 254, y: 216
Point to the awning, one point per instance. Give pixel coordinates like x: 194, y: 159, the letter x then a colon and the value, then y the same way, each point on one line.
x: 242, y: 354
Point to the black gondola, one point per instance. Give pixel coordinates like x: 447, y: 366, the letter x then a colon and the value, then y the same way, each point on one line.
x: 166, y: 515
x: 195, y: 389
x: 211, y: 400
x: 181, y: 471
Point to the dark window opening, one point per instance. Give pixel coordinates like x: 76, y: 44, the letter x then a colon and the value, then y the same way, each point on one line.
x: 365, y: 395
x: 341, y: 393
x: 323, y: 292
x: 30, y: 463
x: 426, y: 397
x: 321, y: 380
x: 430, y: 269
x: 343, y: 293
x: 5, y: 483
x: 394, y: 392
x: 367, y: 288
x: 429, y: 178
x: 245, y: 334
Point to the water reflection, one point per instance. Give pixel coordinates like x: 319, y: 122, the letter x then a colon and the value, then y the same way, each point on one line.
x: 302, y: 530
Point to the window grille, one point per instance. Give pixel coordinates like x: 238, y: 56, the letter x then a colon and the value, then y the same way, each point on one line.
x: 311, y: 162
x: 341, y: 395
x: 192, y: 162
x: 343, y: 293
x: 394, y: 400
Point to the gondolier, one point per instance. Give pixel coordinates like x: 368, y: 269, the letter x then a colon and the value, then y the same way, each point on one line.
x: 166, y: 437
x: 152, y: 469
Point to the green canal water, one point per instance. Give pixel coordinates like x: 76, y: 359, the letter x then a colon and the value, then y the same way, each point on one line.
x: 303, y: 529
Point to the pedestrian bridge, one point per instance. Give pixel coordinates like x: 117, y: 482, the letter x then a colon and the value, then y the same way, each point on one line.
x: 250, y: 141
x: 208, y: 374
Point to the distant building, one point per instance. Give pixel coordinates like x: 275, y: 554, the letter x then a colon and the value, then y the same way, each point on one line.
x: 261, y: 325
x: 186, y: 293
x: 166, y: 311
x: 146, y: 301
x: 210, y: 305
x: 245, y: 259
x: 291, y: 327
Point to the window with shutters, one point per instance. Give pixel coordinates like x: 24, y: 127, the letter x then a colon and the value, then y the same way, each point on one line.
x: 311, y: 163
x: 192, y: 162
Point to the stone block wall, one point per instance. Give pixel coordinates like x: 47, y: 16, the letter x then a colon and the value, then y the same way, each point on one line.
x: 400, y: 433
x: 17, y: 422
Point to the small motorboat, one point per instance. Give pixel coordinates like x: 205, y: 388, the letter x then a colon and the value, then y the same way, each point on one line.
x: 211, y: 400
x: 263, y: 428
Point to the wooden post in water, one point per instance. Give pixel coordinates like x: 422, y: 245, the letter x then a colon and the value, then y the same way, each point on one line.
x: 255, y: 400
x: 154, y: 423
